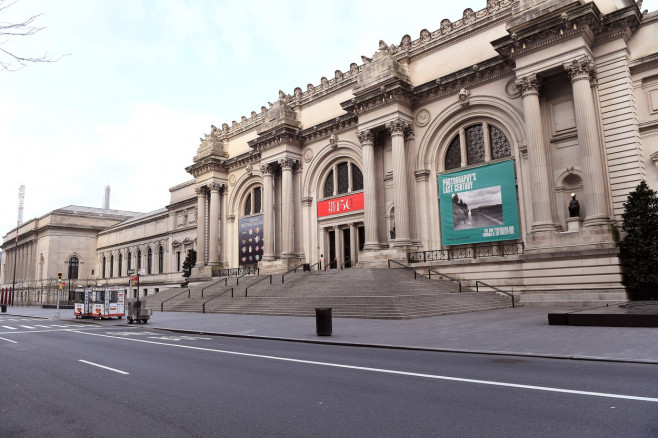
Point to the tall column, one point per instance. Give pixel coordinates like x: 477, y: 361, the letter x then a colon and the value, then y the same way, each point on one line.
x: 323, y: 247
x: 588, y: 137
x: 213, y: 235
x: 201, y: 227
x: 338, y: 244
x: 354, y: 250
x: 542, y: 219
x: 268, y: 212
x: 400, y: 185
x: 287, y: 213
x: 223, y: 215
x: 367, y: 140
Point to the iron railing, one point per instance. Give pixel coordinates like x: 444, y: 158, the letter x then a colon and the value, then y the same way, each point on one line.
x: 255, y: 283
x: 291, y: 270
x: 477, y: 282
x: 441, y: 275
x: 469, y: 252
x: 171, y: 298
x: 404, y: 266
x: 203, y: 305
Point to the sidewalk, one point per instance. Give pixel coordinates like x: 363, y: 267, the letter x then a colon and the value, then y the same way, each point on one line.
x: 522, y: 331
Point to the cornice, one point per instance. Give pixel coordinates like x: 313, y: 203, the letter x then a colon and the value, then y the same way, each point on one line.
x: 480, y: 73
x: 397, y: 91
x: 281, y: 135
x: 583, y: 20
x: 326, y: 129
x: 205, y: 165
x: 251, y: 157
x: 643, y: 64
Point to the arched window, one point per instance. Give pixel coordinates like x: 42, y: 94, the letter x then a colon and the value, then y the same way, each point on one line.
x: 253, y: 202
x: 120, y: 265
x: 129, y: 260
x: 73, y: 268
x: 344, y: 177
x: 480, y: 142
x: 103, y: 267
x: 112, y: 266
x: 160, y: 260
x: 139, y: 259
x: 149, y: 261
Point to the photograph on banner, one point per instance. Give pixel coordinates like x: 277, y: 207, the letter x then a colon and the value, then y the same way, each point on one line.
x: 478, y: 205
x: 250, y: 239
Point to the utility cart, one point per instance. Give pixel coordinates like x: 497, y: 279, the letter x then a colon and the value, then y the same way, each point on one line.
x: 138, y: 313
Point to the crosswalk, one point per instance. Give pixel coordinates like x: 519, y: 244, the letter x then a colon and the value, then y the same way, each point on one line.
x: 9, y: 325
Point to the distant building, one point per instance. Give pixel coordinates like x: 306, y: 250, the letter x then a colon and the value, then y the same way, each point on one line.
x: 515, y: 107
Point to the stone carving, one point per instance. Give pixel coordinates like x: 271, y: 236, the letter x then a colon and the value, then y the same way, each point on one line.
x: 574, y: 206
x: 528, y: 84
x: 354, y: 68
x: 398, y: 126
x: 333, y: 141
x: 383, y: 47
x: 231, y: 180
x: 287, y: 163
x: 366, y: 60
x: 464, y: 96
x: 446, y: 26
x: 216, y: 187
x: 266, y: 169
x: 492, y: 6
x: 406, y: 42
x: 425, y: 35
x: 581, y: 68
x: 469, y: 16
x: 308, y: 155
x: 248, y: 169
x: 365, y: 136
x: 200, y: 191
x: 422, y: 118
x: 298, y: 93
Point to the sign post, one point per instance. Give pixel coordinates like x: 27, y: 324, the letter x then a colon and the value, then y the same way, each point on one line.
x: 59, y: 290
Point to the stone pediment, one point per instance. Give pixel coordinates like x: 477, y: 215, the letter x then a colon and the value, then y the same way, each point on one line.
x: 380, y: 70
x: 279, y: 115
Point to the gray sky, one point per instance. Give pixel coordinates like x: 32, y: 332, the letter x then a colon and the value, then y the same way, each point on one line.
x: 143, y: 80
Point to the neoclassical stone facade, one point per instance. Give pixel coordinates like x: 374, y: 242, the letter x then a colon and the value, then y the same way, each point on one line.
x: 444, y: 151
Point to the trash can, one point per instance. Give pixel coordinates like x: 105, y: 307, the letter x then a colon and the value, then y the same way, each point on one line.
x: 3, y: 308
x: 306, y: 267
x: 323, y: 321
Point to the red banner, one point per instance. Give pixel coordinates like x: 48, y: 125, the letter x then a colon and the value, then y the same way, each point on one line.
x: 344, y: 204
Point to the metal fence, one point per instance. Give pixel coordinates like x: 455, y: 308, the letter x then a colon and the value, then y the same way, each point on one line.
x: 235, y: 272
x: 469, y: 252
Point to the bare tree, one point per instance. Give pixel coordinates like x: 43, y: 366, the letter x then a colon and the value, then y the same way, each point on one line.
x: 9, y: 60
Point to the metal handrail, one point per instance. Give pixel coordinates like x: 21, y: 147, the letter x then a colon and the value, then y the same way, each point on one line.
x: 203, y: 307
x: 331, y: 263
x: 348, y: 260
x: 494, y: 288
x: 254, y: 284
x: 459, y: 282
x: 318, y: 264
x: 225, y: 284
x: 404, y: 266
x: 293, y: 269
x: 171, y: 298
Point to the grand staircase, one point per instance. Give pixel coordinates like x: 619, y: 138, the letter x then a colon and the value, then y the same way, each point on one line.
x: 351, y: 293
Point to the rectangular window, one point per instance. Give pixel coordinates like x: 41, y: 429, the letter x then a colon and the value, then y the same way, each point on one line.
x: 178, y: 261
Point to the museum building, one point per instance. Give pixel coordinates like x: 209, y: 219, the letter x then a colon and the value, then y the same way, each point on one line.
x: 499, y: 147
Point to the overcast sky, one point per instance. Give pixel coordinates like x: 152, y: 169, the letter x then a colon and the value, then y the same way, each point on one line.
x: 142, y: 80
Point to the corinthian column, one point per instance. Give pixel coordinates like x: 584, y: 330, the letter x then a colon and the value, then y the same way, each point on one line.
x: 213, y: 235
x: 287, y: 214
x: 542, y: 219
x: 397, y: 128
x: 367, y: 140
x: 268, y: 212
x: 201, y: 226
x: 594, y: 188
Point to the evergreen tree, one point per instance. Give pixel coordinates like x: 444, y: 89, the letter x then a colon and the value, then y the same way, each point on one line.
x: 188, y: 264
x: 639, y: 249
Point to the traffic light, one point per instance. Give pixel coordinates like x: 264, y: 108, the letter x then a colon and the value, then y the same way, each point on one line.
x: 59, y: 277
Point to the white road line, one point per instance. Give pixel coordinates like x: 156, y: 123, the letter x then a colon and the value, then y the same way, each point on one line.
x: 9, y: 327
x: 396, y: 372
x: 27, y: 327
x: 103, y: 366
x: 9, y: 340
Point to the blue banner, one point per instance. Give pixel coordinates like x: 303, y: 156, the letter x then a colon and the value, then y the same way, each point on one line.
x: 250, y: 239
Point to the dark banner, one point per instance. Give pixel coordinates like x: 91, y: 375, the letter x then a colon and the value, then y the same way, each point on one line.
x: 250, y: 239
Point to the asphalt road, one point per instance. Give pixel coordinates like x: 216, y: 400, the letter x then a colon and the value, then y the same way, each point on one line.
x: 64, y: 379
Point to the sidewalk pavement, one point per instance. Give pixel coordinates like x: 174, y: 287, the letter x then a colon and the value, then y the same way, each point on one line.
x: 523, y: 331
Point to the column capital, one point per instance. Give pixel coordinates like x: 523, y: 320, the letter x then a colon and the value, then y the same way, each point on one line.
x: 583, y: 68
x: 398, y: 126
x: 267, y: 169
x: 216, y: 187
x: 200, y: 191
x: 366, y: 137
x: 528, y: 84
x: 287, y: 163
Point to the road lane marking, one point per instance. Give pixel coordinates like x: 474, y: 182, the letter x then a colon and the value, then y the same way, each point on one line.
x: 9, y: 327
x: 395, y: 372
x: 27, y: 327
x: 9, y: 340
x: 103, y: 366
